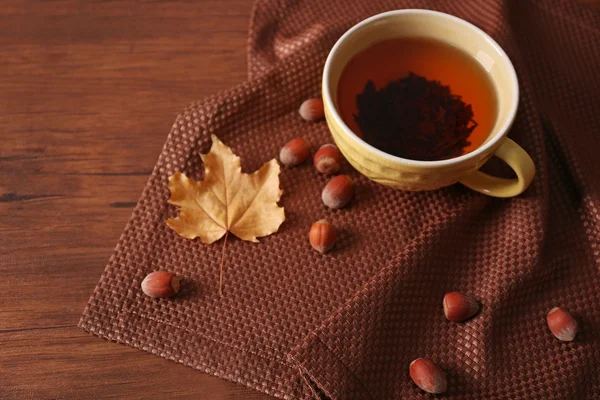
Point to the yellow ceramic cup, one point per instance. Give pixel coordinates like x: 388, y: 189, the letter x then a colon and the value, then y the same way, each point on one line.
x: 405, y: 174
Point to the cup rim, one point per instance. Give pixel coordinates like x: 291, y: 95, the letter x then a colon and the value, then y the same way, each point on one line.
x: 483, y: 149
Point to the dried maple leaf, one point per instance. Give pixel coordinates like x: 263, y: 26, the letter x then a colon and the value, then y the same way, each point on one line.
x: 227, y: 200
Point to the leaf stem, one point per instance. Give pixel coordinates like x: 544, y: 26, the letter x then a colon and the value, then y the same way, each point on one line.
x: 222, y: 262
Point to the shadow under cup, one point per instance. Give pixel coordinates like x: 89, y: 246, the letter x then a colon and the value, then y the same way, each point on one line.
x: 408, y: 174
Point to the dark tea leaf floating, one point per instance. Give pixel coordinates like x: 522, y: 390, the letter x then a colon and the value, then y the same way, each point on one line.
x: 415, y: 118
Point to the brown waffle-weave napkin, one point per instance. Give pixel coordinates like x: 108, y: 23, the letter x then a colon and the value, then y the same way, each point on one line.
x: 295, y: 324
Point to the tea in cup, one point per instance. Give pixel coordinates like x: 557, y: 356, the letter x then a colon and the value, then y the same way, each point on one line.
x: 418, y: 100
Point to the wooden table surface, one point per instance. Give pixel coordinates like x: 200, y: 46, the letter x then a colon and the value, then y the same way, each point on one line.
x: 88, y: 92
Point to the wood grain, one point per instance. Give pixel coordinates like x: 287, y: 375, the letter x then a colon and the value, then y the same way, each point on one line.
x: 88, y: 93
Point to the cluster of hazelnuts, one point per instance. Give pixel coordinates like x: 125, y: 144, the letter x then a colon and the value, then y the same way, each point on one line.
x: 425, y: 373
x: 327, y: 160
x: 458, y: 307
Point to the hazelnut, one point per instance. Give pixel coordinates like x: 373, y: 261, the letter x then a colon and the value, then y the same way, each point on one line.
x: 458, y: 307
x: 562, y: 324
x: 338, y: 192
x: 328, y: 159
x: 294, y: 152
x: 312, y: 110
x: 428, y: 376
x: 322, y: 236
x: 160, y: 284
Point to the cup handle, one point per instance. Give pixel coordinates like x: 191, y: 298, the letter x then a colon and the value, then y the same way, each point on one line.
x: 516, y: 158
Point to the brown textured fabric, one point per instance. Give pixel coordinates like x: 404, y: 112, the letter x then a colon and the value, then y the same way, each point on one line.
x: 295, y: 324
